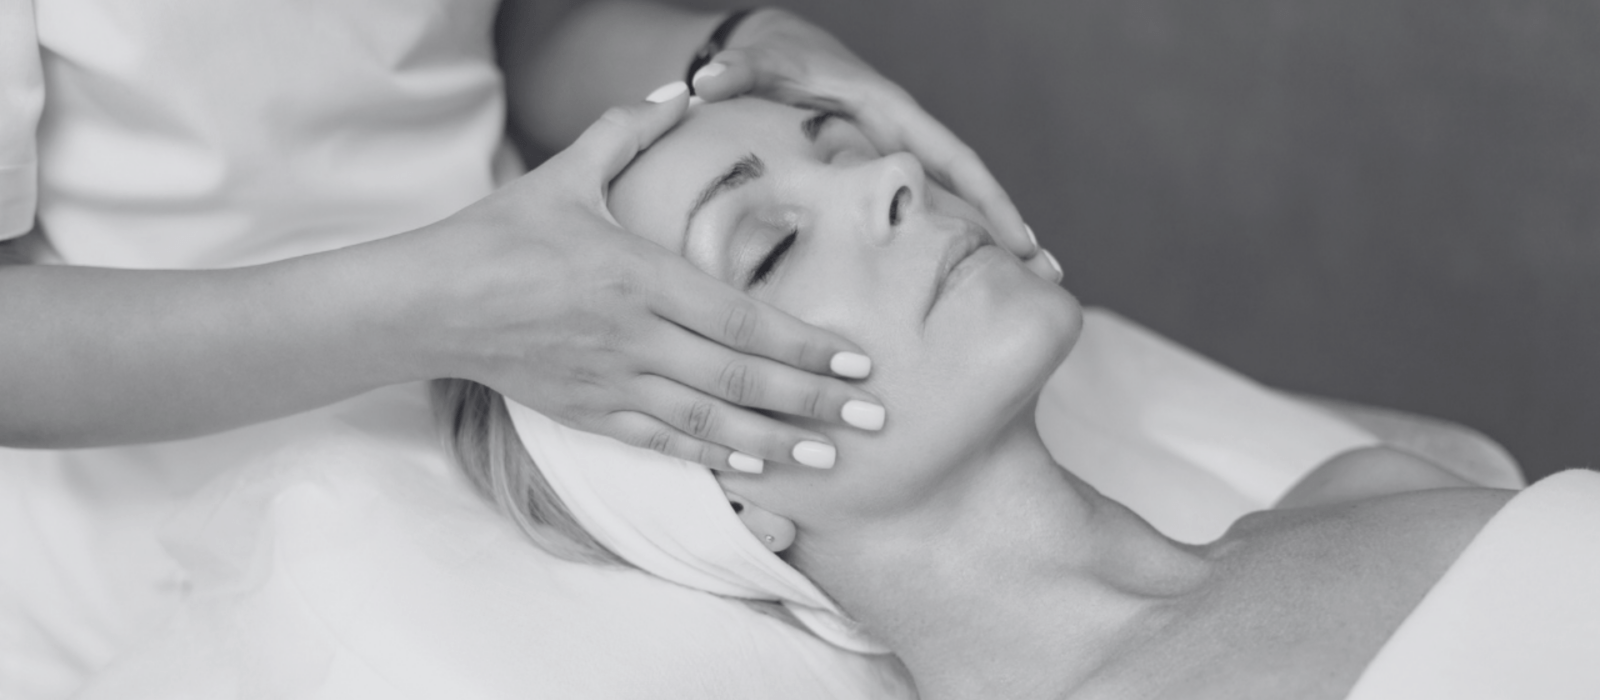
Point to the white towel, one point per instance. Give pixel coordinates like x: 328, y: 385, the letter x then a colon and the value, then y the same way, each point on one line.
x: 669, y: 517
x: 1517, y: 615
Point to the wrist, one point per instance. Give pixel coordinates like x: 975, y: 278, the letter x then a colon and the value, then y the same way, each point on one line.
x: 383, y: 300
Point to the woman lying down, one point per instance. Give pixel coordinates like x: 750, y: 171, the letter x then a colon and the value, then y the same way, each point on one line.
x: 951, y: 538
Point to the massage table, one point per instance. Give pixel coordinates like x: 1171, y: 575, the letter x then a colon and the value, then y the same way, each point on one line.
x: 338, y: 554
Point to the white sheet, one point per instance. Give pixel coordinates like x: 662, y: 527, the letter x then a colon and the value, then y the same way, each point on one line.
x: 1186, y: 443
x: 1183, y: 441
x: 349, y: 567
x: 1516, y: 616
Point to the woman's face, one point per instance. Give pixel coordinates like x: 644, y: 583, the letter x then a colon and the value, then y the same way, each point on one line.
x: 799, y: 209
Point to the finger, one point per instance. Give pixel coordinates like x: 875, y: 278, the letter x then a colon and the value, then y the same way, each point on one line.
x: 719, y: 423
x: 755, y: 382
x: 706, y: 306
x: 735, y: 72
x: 724, y: 77
x: 902, y: 125
x: 612, y: 141
x: 650, y: 433
x: 1045, y: 266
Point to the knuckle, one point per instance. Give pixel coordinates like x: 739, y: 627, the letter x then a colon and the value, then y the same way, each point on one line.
x: 660, y: 441
x: 740, y: 323
x: 812, y: 402
x: 699, y: 418
x: 622, y: 285
x: 587, y: 377
x: 807, y: 350
x: 737, y: 382
x: 707, y: 455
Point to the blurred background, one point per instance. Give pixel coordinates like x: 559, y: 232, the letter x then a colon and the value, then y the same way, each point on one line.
x: 1395, y: 202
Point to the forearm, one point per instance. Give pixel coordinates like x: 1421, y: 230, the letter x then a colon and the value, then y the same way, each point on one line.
x: 598, y: 55
x: 95, y: 357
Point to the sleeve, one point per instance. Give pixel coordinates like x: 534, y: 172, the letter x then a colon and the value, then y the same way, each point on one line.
x: 21, y: 101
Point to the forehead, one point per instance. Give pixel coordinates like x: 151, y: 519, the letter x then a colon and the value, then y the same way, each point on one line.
x: 652, y: 196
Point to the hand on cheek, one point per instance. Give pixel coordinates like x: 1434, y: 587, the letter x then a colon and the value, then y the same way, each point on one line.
x: 541, y: 295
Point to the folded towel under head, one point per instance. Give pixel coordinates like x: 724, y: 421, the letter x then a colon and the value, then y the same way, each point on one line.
x: 669, y: 517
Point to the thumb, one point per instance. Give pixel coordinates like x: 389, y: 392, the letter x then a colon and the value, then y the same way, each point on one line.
x: 612, y: 142
x: 730, y: 74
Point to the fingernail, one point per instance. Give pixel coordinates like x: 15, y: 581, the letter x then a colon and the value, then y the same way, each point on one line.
x: 815, y: 454
x: 863, y: 415
x: 667, y: 92
x: 1053, y: 264
x: 709, y: 70
x: 851, y: 364
x: 1031, y: 238
x: 746, y: 463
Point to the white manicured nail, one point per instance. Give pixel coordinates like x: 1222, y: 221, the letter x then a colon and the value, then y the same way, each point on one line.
x: 851, y: 364
x: 667, y: 92
x: 1053, y: 264
x: 746, y: 463
x: 709, y: 70
x: 1031, y: 238
x: 863, y: 415
x: 815, y: 454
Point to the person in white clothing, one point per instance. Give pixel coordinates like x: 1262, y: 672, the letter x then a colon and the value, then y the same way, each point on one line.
x: 231, y: 214
x: 303, y: 166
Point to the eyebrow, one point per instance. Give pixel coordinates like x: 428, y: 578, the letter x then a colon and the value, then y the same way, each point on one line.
x: 746, y: 170
x: 750, y: 168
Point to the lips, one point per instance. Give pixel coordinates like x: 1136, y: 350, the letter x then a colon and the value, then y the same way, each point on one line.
x: 971, y: 238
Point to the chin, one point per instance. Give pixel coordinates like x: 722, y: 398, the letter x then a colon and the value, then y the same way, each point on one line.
x: 1010, y: 335
x: 1012, y: 321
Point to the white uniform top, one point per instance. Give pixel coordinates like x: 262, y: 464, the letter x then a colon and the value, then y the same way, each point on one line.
x: 196, y: 134
x: 21, y: 97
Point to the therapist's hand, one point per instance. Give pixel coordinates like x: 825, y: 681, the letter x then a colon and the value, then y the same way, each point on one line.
x: 560, y: 309
x: 777, y: 55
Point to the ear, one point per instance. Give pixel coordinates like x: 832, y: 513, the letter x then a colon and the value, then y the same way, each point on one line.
x: 774, y: 531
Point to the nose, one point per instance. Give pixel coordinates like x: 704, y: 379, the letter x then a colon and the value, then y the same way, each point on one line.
x: 898, y: 192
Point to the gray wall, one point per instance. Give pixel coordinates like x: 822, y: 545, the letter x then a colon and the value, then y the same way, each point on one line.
x: 1390, y: 201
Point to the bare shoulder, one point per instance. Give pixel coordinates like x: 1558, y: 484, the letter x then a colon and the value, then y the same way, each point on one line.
x: 1410, y: 512
x: 1369, y: 472
x: 1303, y: 599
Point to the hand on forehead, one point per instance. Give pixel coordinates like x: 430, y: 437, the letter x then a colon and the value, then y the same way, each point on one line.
x: 681, y: 172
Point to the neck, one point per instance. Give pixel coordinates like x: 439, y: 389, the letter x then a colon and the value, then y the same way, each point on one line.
x: 1017, y: 580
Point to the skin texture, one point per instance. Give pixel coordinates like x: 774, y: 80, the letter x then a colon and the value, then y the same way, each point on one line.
x: 533, y: 290
x: 997, y: 325
x: 1368, y: 472
x: 952, y: 535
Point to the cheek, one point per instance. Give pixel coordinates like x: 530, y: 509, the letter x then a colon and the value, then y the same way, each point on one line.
x: 949, y: 395
x: 950, y: 388
x: 859, y: 294
x: 877, y: 471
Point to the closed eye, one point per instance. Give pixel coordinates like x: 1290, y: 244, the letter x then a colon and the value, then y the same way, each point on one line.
x: 770, y: 263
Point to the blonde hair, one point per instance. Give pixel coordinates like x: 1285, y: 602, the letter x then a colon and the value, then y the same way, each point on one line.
x: 483, y: 441
x: 481, y: 438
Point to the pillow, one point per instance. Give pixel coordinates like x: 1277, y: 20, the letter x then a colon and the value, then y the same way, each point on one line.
x: 357, y: 562
x: 1186, y: 443
x: 352, y: 565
